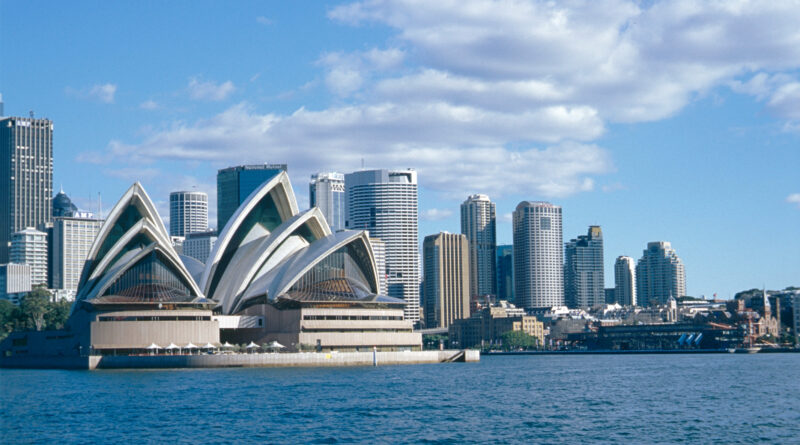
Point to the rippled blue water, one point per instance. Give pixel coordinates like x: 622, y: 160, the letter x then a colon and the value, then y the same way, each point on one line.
x: 723, y: 398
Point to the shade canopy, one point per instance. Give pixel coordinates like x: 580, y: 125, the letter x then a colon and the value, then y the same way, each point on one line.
x: 172, y: 346
x: 252, y: 345
x: 191, y: 346
x: 209, y: 346
x: 275, y: 345
x: 153, y: 346
x: 227, y: 345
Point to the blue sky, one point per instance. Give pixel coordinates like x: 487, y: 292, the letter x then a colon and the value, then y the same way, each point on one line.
x: 676, y: 121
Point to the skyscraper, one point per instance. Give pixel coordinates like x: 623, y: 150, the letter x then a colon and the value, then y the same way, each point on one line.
x: 71, y: 240
x: 188, y: 213
x: 234, y: 185
x: 446, y: 279
x: 385, y: 203
x: 625, y: 281
x: 505, y: 273
x: 659, y: 274
x: 26, y: 176
x: 326, y: 191
x: 199, y: 245
x: 29, y: 247
x: 583, y: 270
x: 479, y: 226
x: 538, y: 255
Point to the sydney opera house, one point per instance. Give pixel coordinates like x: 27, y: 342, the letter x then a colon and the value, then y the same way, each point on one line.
x: 276, y: 274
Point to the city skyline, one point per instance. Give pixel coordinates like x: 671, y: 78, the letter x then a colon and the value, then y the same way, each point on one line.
x: 696, y: 157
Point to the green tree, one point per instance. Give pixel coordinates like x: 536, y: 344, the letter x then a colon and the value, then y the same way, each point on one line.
x: 35, y: 305
x: 57, y: 314
x: 9, y: 318
x: 517, y: 340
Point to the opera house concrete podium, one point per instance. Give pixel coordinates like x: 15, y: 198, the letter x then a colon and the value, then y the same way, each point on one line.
x: 275, y: 274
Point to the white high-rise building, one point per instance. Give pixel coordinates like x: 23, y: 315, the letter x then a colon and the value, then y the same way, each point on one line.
x: 659, y: 274
x: 199, y: 245
x: 188, y: 213
x: 625, y: 281
x: 478, y: 223
x: 15, y: 281
x: 538, y: 255
x: 72, y: 239
x: 385, y: 203
x: 29, y: 247
x: 379, y: 252
x: 326, y: 191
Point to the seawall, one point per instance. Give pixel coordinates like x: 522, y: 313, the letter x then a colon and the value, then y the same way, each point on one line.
x: 300, y: 359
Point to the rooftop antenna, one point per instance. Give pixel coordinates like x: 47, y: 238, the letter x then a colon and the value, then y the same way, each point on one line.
x: 100, y: 205
x: 31, y: 114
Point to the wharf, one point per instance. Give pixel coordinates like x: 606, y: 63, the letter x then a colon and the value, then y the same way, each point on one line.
x: 266, y: 360
x: 641, y: 351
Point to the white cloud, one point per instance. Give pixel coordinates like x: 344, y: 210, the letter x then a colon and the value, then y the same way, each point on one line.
x: 101, y: 92
x: 104, y: 93
x: 148, y: 105
x: 456, y: 150
x: 794, y: 198
x: 209, y: 90
x: 785, y: 101
x: 133, y: 173
x: 630, y: 61
x: 346, y: 73
x: 343, y: 81
x: 502, y: 97
x: 435, y: 214
x: 264, y: 20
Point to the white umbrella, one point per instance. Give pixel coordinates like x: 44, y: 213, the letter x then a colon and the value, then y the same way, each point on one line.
x: 252, y: 346
x: 227, y: 345
x: 275, y: 345
x: 153, y: 348
x: 209, y: 346
x: 172, y: 347
x: 191, y: 346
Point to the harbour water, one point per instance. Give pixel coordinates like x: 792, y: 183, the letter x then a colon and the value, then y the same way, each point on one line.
x: 726, y: 398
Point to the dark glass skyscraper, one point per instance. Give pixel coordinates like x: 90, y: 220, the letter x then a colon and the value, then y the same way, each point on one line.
x: 583, y: 270
x: 505, y: 273
x: 26, y: 176
x: 234, y: 185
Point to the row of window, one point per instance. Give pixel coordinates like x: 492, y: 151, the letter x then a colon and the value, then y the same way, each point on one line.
x: 157, y: 318
x: 352, y: 317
